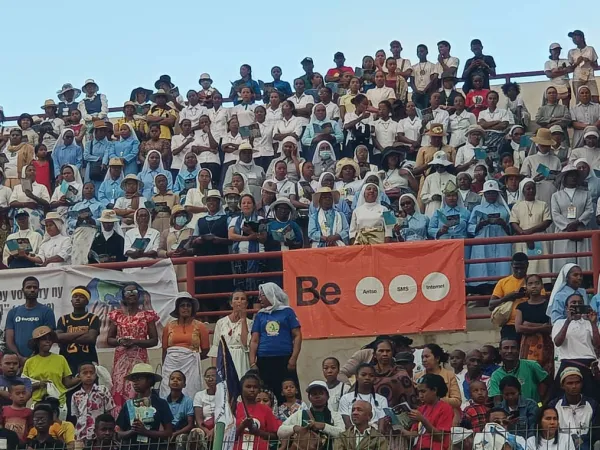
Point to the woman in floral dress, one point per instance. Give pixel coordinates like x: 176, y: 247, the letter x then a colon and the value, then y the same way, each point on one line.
x: 132, y: 331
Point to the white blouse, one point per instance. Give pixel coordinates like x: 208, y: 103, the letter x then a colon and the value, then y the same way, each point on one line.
x: 377, y: 95
x: 5, y: 194
x: 385, y: 132
x: 244, y: 113
x: 58, y: 245
x: 230, y: 139
x: 273, y: 115
x: 458, y: 125
x: 134, y: 233
x: 410, y: 128
x: 369, y: 215
x: 302, y: 102
x: 202, y: 140
x: 218, y: 121
x: 283, y: 126
x: 264, y: 143
x: 177, y: 141
x: 194, y: 198
x: 39, y: 190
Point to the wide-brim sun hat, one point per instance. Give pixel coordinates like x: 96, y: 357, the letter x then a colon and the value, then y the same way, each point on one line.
x: 132, y: 177
x: 475, y: 129
x: 283, y: 201
x: 543, y: 137
x: 205, y: 77
x: 269, y: 186
x: 108, y: 216
x: 185, y: 296
x: 325, y: 190
x: 143, y: 369
x: 213, y: 193
x: 436, y: 129
x: 512, y: 172
x: 160, y: 93
x: 66, y: 88
x: 89, y: 81
x: 52, y: 217
x: 339, y: 166
x: 133, y: 94
x: 247, y: 146
x: 39, y: 333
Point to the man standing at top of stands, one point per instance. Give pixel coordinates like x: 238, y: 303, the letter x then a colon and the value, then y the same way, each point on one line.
x: 480, y: 64
x: 308, y: 67
x: 22, y: 320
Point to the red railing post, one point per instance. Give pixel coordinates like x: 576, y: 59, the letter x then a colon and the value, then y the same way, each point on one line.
x: 596, y: 258
x: 190, y: 283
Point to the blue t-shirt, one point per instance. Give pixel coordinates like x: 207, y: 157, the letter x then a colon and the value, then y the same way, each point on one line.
x: 275, y: 332
x: 181, y: 410
x: 6, y: 383
x: 24, y: 320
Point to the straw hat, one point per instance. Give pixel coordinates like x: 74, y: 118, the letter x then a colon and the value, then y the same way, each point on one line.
x: 213, y: 193
x: 324, y: 190
x: 475, y: 129
x: 128, y: 103
x: 115, y: 162
x: 108, y: 216
x: 52, y: 216
x: 39, y: 333
x: 231, y: 191
x: 159, y: 93
x: 180, y: 298
x: 98, y: 124
x: 543, y: 137
x: 269, y: 186
x: 49, y: 103
x: 132, y: 177
x: 177, y: 209
x: 436, y: 129
x: 247, y: 146
x: 346, y: 162
x: 143, y: 369
x: 512, y: 172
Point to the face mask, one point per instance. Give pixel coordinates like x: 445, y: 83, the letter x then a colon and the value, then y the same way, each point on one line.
x: 181, y: 220
x: 326, y: 155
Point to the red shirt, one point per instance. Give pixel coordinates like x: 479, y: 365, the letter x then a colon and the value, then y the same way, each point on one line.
x: 339, y: 70
x: 476, y: 101
x: 18, y: 420
x: 265, y: 419
x: 42, y: 174
x: 441, y: 416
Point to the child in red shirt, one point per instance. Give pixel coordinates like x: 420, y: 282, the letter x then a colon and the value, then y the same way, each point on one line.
x: 475, y: 415
x: 44, y: 167
x: 17, y: 417
x: 257, y: 426
x: 476, y: 100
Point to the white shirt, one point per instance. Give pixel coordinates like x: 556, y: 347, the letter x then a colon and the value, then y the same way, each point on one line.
x: 229, y: 139
x: 264, y: 144
x: 35, y: 239
x: 285, y: 188
x: 125, y: 203
x: 578, y: 341
x: 385, y: 132
x: 243, y: 246
x: 439, y: 116
x: 283, y: 126
x: 57, y: 127
x: 134, y: 233
x: 378, y: 402
x: 403, y: 64
x: 422, y: 74
x: 193, y: 113
x: 194, y: 198
x: 556, y: 64
x: 10, y: 168
x: 332, y: 111
x: 377, y: 95
x: 458, y: 125
x: 450, y: 62
x: 58, y: 245
x: 202, y: 140
x: 244, y: 113
x: 503, y: 115
x: 205, y: 401
x: 218, y: 121
x: 5, y: 193
x: 300, y: 103
x: 177, y: 141
x: 410, y: 127
x: 585, y: 70
x: 565, y: 442
x: 335, y: 394
x: 273, y: 115
x: 39, y: 190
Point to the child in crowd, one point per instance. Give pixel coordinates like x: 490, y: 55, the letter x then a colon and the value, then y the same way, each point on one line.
x: 364, y: 389
x: 457, y: 362
x: 44, y: 168
x: 491, y: 358
x: 475, y: 415
x: 291, y: 404
x: 61, y: 430
x: 331, y: 369
x: 89, y: 402
x: 18, y: 417
x: 9, y: 363
x: 506, y: 161
x: 182, y: 409
x: 476, y: 100
x: 104, y: 434
x: 147, y: 418
x: 204, y: 403
x: 43, y: 418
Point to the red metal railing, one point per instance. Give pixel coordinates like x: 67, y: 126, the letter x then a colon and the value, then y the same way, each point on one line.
x: 501, y: 76
x: 190, y: 277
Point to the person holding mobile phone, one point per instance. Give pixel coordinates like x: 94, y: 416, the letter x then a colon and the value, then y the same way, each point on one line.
x: 576, y: 339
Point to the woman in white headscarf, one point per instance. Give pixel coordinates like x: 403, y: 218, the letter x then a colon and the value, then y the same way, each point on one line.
x: 69, y: 192
x: 568, y: 282
x: 276, y: 339
x: 531, y: 216
x: 324, y: 158
x: 513, y: 146
x: 142, y: 241
x: 490, y: 219
x: 195, y: 201
x: 153, y: 166
x: 127, y: 148
x: 326, y: 226
x: 33, y: 201
x: 368, y: 225
x: 415, y: 224
x: 589, y: 178
x: 55, y: 249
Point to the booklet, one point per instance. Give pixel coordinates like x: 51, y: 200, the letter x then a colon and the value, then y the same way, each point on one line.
x: 26, y: 184
x: 149, y: 204
x: 70, y: 192
x: 14, y: 245
x: 449, y: 221
x: 543, y: 170
x: 536, y: 250
x: 525, y: 141
x: 253, y: 226
x: 284, y: 234
x: 389, y: 218
x: 103, y: 258
x: 162, y: 207
x: 189, y: 183
x: 427, y: 114
x: 325, y: 127
x: 250, y: 131
x: 140, y: 244
x: 480, y: 153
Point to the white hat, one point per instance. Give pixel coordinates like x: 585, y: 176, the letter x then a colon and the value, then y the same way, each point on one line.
x: 459, y: 434
x: 440, y: 159
x: 89, y: 81
x: 317, y: 384
x: 490, y: 185
x: 590, y: 131
x: 555, y: 45
x: 556, y: 129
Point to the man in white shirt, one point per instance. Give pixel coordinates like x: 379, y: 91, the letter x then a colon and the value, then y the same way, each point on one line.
x: 403, y: 65
x: 194, y: 110
x: 585, y: 60
x: 423, y: 80
x: 304, y: 103
x: 446, y: 63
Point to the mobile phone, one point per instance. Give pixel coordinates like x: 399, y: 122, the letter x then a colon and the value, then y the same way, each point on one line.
x: 582, y: 309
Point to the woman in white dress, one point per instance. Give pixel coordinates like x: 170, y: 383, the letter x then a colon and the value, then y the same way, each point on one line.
x: 235, y: 329
x: 530, y: 216
x: 55, y: 249
x: 572, y: 210
x: 134, y: 250
x: 435, y: 183
x: 195, y: 203
x: 32, y: 200
x: 368, y: 224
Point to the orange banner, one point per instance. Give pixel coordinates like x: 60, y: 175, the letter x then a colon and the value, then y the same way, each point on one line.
x: 381, y: 289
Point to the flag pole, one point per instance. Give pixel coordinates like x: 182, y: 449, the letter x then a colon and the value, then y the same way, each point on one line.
x: 218, y: 436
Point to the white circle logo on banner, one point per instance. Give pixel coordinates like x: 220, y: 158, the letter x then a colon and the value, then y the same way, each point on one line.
x: 435, y: 286
x: 403, y: 289
x: 369, y: 291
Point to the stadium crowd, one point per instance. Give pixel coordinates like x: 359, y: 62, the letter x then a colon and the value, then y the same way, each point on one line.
x: 339, y: 160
